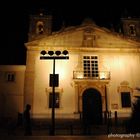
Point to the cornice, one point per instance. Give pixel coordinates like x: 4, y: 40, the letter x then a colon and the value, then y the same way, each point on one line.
x: 55, y: 38
x: 78, y: 49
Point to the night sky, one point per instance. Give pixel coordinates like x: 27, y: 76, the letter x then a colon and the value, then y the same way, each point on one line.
x: 104, y: 13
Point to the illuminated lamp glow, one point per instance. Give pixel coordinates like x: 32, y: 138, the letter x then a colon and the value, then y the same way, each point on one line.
x: 79, y: 75
x: 102, y: 75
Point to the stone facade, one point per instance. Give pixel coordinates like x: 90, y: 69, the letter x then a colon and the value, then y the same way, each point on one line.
x: 102, y: 70
x: 115, y: 58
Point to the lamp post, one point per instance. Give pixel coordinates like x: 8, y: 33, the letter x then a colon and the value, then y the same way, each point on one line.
x: 53, y: 55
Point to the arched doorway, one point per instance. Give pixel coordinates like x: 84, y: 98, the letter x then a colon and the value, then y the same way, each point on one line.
x: 92, y: 106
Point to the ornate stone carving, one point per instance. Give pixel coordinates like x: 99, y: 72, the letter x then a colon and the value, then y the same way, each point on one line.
x: 81, y: 86
x: 124, y: 87
x: 89, y: 37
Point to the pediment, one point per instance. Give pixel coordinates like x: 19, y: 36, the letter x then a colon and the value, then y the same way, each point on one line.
x: 86, y: 35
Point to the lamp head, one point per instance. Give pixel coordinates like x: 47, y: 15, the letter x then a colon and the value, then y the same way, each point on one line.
x: 43, y: 52
x: 50, y: 53
x: 58, y: 52
x: 65, y: 52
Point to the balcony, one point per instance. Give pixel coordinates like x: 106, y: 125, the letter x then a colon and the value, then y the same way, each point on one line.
x: 98, y: 75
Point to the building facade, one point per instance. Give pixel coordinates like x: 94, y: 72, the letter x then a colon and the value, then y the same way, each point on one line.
x: 11, y: 90
x: 101, y: 74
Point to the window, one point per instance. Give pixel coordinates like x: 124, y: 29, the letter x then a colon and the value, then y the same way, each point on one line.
x: 90, y: 65
x: 126, y: 99
x: 10, y: 76
x: 40, y: 27
x: 57, y: 100
x: 132, y: 30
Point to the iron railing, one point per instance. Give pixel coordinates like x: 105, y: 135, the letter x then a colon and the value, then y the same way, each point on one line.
x: 98, y: 75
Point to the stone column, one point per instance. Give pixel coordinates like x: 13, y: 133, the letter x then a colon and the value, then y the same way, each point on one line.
x: 108, y: 98
x: 76, y: 99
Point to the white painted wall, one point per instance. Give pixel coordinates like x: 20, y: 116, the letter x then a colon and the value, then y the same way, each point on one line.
x: 65, y: 70
x: 122, y: 66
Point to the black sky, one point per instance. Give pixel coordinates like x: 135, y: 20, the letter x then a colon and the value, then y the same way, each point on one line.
x: 72, y: 12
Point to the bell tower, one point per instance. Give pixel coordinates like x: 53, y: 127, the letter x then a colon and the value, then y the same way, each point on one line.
x: 39, y: 25
x: 131, y: 27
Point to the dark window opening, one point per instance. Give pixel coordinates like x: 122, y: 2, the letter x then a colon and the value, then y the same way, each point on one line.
x: 57, y: 100
x: 40, y: 29
x: 10, y: 77
x: 132, y: 30
x: 126, y: 99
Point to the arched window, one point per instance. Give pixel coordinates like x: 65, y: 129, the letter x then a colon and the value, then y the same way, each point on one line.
x: 40, y: 27
x: 132, y: 30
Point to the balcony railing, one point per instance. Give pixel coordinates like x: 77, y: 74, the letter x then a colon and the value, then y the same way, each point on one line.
x: 98, y: 75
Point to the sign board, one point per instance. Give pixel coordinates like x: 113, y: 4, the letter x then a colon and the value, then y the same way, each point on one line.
x: 54, y: 80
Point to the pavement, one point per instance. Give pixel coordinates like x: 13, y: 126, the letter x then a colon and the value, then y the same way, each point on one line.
x: 54, y: 138
x: 100, y: 137
x: 66, y: 130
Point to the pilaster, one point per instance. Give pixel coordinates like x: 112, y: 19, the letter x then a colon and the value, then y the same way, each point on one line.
x: 29, y: 78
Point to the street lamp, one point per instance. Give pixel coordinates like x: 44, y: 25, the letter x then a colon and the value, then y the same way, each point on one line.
x: 53, y: 55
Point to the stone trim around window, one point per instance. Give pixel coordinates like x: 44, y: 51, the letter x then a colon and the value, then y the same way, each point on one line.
x: 58, y: 92
x: 10, y: 76
x: 125, y: 94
